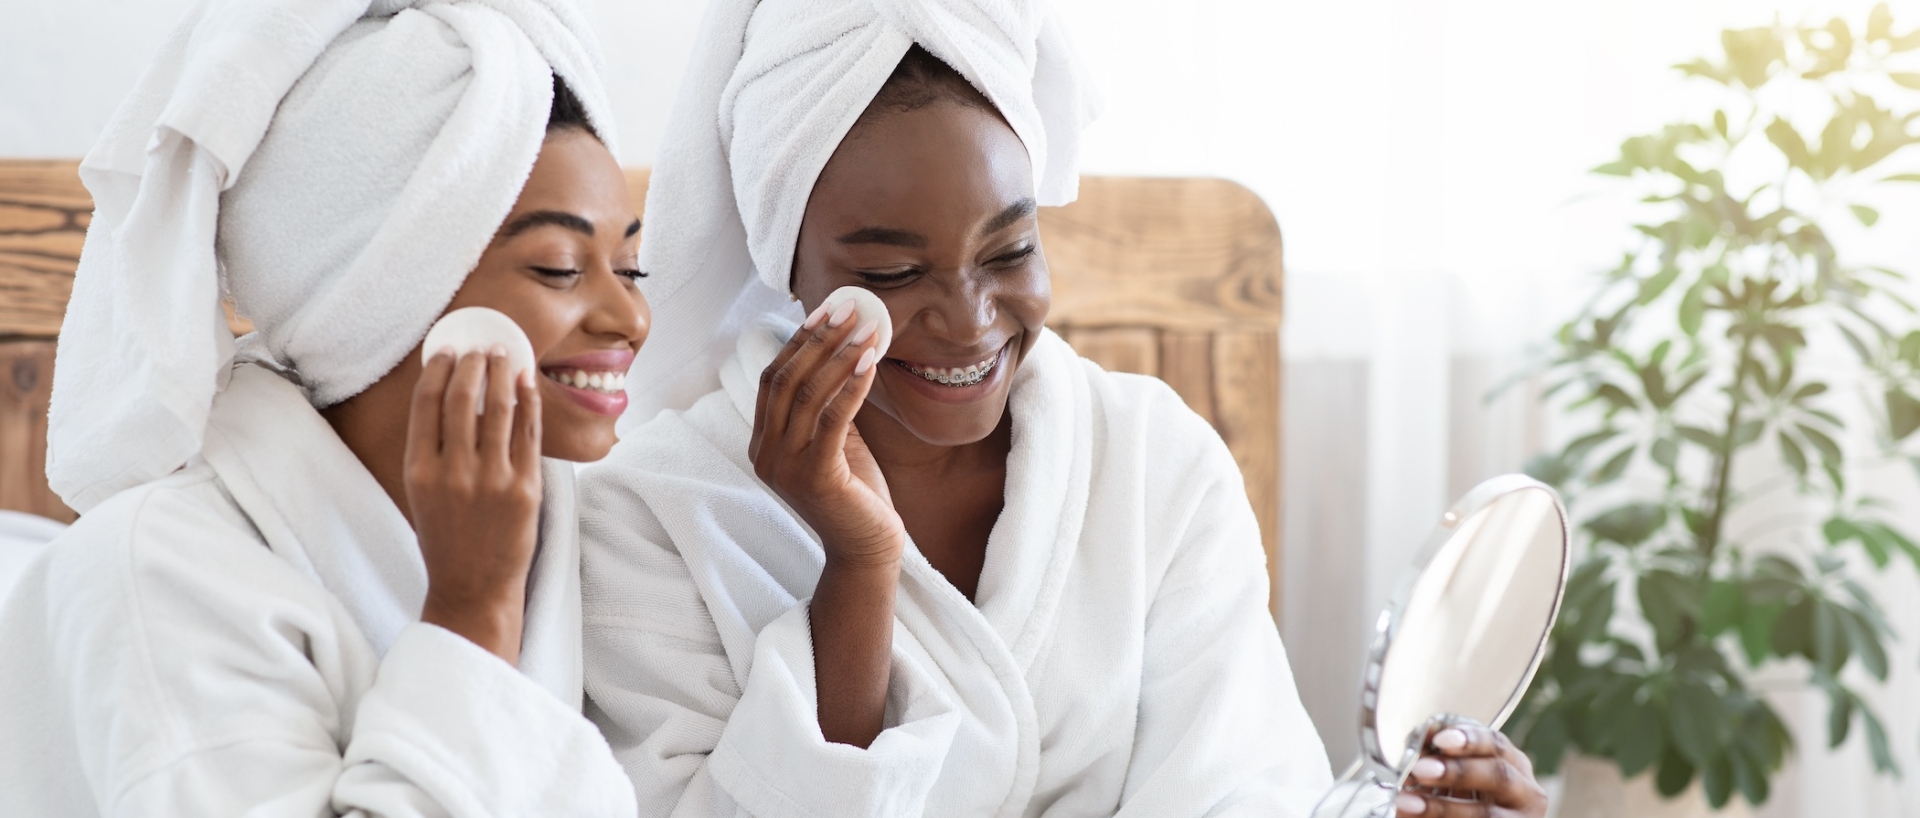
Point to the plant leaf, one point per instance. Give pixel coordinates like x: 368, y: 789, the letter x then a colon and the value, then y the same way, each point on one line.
x: 1867, y: 215
x: 1756, y: 632
x: 1866, y: 643
x: 1839, y: 715
x: 1789, y: 141
x: 1701, y: 437
x: 1547, y: 740
x: 1722, y: 609
x: 1630, y: 524
x: 1548, y: 469
x: 1640, y: 741
x: 1695, y: 720
x: 1829, y: 450
x: 1790, y: 452
x: 1877, y: 743
x: 1675, y: 774
x: 1613, y: 468
x: 1903, y: 412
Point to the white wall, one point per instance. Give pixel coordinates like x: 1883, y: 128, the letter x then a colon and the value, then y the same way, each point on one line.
x: 1426, y: 159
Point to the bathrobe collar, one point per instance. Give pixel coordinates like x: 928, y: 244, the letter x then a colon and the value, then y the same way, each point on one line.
x: 319, y: 508
x: 1037, y: 536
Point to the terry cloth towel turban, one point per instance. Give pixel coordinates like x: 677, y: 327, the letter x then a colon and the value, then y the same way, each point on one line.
x: 336, y: 166
x: 773, y: 87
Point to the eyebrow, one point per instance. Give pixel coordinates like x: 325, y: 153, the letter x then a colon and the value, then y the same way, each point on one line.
x: 557, y: 218
x: 1014, y: 212
x: 894, y: 237
x: 885, y: 235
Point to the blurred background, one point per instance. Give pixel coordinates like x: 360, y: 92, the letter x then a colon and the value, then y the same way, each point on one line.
x: 1428, y: 162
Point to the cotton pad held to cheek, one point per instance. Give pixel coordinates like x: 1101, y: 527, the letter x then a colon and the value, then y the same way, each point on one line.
x: 867, y: 308
x: 478, y: 329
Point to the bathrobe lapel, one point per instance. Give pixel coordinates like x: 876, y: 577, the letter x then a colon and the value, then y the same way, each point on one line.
x: 320, y: 509
x: 1029, y: 555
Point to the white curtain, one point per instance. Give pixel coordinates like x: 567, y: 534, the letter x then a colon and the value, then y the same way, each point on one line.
x: 1427, y: 161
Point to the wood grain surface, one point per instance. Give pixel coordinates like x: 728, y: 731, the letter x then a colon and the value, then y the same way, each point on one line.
x: 1175, y: 278
x: 26, y: 380
x: 43, y: 221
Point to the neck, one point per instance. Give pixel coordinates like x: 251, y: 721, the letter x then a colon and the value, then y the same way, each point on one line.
x: 897, y: 449
x: 373, y: 424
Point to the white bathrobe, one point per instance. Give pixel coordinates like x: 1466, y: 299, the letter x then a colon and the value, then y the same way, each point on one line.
x: 241, y: 637
x: 1120, y: 659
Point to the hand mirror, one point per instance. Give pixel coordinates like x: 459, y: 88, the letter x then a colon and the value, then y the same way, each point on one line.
x: 1462, y: 634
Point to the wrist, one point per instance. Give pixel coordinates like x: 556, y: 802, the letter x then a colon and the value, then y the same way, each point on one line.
x: 494, y: 624
x: 876, y: 561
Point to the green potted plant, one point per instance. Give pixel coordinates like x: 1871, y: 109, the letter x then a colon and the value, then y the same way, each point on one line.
x: 1704, y: 371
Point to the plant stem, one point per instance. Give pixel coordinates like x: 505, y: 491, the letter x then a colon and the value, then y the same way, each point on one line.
x: 1722, y: 481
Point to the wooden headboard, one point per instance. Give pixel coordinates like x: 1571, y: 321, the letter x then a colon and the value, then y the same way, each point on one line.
x: 1177, y: 278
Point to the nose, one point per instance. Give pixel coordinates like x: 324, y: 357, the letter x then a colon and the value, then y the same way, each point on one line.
x: 617, y: 309
x: 968, y: 313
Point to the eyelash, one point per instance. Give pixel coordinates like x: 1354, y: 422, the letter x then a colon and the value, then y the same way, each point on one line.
x: 554, y: 272
x: 888, y: 278
x: 1017, y: 256
x: 1007, y: 260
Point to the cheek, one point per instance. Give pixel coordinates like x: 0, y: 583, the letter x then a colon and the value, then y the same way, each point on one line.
x: 1028, y: 298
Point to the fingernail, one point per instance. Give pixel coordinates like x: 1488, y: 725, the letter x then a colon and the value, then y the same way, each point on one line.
x: 813, y: 319
x: 1450, y: 739
x: 1409, y: 804
x: 497, y: 351
x: 840, y: 313
x: 865, y: 363
x: 1428, y: 769
x: 861, y: 335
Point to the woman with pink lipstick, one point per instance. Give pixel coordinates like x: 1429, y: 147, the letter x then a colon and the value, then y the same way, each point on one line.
x: 971, y: 573
x: 314, y: 575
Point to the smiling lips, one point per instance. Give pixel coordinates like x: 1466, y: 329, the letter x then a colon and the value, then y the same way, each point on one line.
x: 607, y: 382
x: 596, y: 381
x: 954, y: 376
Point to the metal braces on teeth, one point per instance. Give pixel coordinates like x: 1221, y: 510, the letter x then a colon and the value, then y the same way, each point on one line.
x: 962, y: 380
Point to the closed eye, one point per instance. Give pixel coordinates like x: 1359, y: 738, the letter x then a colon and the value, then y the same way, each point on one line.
x: 888, y: 277
x: 555, y: 272
x: 1016, y: 256
x: 631, y: 275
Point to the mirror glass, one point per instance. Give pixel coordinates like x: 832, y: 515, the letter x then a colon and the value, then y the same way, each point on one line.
x: 1463, y: 635
x: 1475, y: 619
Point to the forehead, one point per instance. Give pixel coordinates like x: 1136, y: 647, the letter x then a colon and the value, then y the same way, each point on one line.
x: 939, y: 168
x: 575, y: 173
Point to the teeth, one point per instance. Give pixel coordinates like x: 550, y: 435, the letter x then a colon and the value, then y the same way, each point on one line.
x: 957, y: 375
x: 609, y: 382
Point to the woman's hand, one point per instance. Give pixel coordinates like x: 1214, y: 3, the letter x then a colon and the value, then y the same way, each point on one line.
x: 473, y: 492
x: 1471, y: 771
x: 806, y: 448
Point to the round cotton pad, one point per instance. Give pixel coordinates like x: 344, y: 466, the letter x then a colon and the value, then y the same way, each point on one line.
x: 867, y: 307
x: 477, y: 329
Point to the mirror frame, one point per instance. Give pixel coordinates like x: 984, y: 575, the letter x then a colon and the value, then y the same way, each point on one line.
x: 1388, y: 625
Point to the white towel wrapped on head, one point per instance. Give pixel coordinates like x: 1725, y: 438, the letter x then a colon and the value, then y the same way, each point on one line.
x: 341, y: 242
x: 773, y: 87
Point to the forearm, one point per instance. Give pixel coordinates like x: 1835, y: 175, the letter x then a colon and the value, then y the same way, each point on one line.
x: 852, y: 621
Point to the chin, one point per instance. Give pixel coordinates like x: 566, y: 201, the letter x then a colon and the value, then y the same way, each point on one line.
x: 578, y: 446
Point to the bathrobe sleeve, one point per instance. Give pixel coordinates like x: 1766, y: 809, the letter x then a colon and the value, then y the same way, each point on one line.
x: 701, y: 733
x: 1221, y: 729
x: 210, y: 678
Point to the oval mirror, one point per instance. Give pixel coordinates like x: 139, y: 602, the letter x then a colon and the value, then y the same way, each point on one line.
x: 1462, y: 634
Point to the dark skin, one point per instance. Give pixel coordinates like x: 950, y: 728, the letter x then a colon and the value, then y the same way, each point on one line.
x: 932, y: 209
x: 562, y: 266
